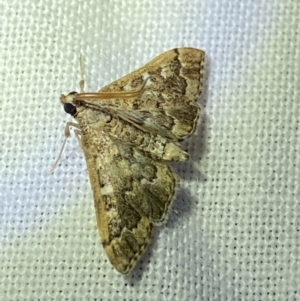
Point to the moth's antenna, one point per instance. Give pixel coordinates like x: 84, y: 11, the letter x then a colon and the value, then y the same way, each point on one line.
x: 82, y: 73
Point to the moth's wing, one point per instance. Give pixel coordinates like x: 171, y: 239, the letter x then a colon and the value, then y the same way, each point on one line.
x: 174, y: 124
x: 173, y: 75
x: 131, y: 192
x: 168, y: 103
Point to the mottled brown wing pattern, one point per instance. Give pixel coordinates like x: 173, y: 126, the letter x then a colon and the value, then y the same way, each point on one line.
x: 174, y: 124
x: 176, y: 78
x: 168, y: 104
x: 131, y: 192
x: 127, y: 142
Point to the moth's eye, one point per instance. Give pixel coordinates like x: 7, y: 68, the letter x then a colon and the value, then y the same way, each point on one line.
x: 70, y: 108
x: 72, y: 93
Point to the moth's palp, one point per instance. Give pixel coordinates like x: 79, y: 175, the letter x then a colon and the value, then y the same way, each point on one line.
x: 110, y: 95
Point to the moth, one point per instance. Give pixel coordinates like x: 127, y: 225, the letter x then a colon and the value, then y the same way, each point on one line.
x: 129, y: 131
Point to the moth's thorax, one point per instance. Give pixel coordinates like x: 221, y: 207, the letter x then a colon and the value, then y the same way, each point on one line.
x: 95, y: 119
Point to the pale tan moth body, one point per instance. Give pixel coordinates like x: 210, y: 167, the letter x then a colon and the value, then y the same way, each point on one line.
x: 129, y: 131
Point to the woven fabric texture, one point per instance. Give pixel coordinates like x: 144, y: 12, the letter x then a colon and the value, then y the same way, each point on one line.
x: 233, y: 231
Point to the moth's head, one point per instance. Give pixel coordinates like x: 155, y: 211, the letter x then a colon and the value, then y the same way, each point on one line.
x: 68, y: 102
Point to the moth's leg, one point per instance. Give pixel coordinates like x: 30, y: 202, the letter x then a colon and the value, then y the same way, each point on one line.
x: 67, y: 135
x: 68, y: 126
x: 78, y: 136
x: 82, y: 73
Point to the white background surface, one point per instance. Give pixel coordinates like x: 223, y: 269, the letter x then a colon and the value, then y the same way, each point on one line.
x: 233, y: 232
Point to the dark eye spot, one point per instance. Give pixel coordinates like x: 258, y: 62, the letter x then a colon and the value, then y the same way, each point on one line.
x: 70, y: 108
